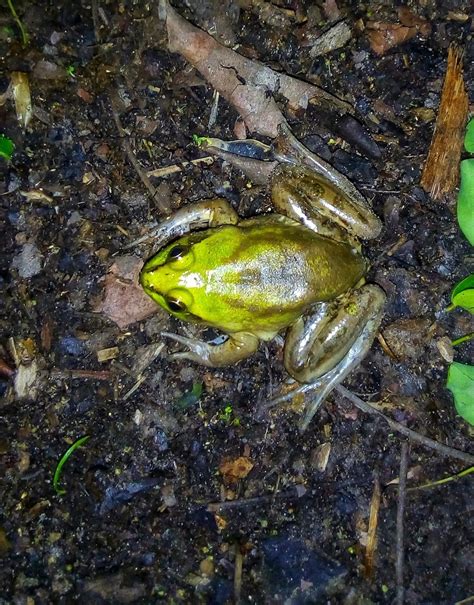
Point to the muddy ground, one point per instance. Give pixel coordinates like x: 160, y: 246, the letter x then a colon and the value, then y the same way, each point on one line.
x: 147, y: 516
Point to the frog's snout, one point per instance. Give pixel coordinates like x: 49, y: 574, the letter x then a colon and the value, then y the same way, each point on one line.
x: 147, y: 280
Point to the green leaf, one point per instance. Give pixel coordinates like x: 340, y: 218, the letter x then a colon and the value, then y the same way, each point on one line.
x: 469, y: 138
x: 465, y: 208
x: 6, y: 147
x: 463, y: 294
x: 461, y: 384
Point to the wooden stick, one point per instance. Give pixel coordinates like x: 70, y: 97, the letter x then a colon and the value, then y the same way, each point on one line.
x: 402, y: 492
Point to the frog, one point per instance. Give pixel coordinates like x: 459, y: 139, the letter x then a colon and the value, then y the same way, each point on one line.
x: 299, y: 268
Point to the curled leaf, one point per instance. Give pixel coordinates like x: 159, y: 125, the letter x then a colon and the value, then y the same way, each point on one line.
x: 461, y: 384
x: 469, y: 138
x: 465, y: 207
x: 463, y: 294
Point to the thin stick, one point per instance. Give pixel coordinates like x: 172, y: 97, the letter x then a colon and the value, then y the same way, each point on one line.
x: 443, y: 450
x: 160, y: 172
x: 402, y: 491
x: 85, y: 374
x: 134, y: 162
x: 238, y: 566
x: 372, y: 530
x: 214, y: 507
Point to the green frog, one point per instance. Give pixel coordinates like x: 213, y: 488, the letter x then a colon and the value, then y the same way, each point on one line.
x: 299, y: 268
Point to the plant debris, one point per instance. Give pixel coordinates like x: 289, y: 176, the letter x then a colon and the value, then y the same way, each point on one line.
x: 441, y: 170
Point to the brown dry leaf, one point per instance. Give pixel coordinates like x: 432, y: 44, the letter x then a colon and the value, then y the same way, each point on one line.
x: 20, y: 87
x: 384, y: 36
x: 248, y: 85
x: 85, y: 95
x: 124, y: 301
x: 238, y: 468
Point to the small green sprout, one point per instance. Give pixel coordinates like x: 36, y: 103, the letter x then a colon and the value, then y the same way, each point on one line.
x: 24, y: 33
x: 6, y: 147
x: 71, y: 71
x: 190, y: 398
x: 64, y: 458
x: 200, y: 141
x: 226, y: 416
x: 8, y: 31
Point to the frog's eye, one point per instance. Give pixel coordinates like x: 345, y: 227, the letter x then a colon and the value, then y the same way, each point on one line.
x: 177, y: 252
x: 176, y: 305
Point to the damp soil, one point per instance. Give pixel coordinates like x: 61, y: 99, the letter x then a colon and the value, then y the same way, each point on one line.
x: 148, y: 514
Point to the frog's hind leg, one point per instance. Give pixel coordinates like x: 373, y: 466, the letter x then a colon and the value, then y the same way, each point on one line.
x: 325, y: 349
x: 304, y: 196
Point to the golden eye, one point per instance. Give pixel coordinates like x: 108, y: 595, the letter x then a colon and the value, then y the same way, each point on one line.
x: 176, y: 305
x: 177, y: 252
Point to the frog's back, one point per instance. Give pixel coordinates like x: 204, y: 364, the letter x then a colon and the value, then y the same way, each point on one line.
x: 269, y: 270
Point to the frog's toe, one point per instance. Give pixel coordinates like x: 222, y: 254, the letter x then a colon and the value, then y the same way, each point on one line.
x: 199, y: 351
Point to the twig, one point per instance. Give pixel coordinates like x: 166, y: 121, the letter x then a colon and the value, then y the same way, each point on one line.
x: 402, y: 491
x: 297, y: 492
x: 93, y: 374
x: 372, y: 531
x: 238, y: 565
x: 134, y: 162
x: 160, y: 172
x: 443, y: 450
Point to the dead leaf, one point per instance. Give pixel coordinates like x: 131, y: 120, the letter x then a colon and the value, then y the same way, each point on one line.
x: 22, y: 97
x: 125, y: 301
x: 238, y: 468
x: 384, y: 36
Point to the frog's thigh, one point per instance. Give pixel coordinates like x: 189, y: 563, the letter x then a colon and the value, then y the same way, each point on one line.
x: 237, y: 347
x: 308, y: 198
x: 315, y: 346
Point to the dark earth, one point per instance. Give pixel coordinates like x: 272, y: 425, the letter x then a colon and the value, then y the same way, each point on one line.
x: 147, y: 515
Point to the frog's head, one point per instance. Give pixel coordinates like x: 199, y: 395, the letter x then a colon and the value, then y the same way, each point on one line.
x: 162, y: 278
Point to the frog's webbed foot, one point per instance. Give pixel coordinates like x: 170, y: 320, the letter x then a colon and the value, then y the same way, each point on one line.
x: 201, y: 215
x: 325, y: 349
x: 237, y: 347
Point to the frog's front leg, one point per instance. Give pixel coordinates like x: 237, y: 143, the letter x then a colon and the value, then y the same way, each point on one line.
x: 201, y: 215
x: 238, y: 346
